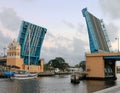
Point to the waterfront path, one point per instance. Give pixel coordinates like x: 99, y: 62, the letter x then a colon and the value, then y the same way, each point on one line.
x: 115, y: 89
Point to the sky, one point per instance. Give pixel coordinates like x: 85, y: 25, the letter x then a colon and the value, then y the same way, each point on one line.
x: 67, y: 34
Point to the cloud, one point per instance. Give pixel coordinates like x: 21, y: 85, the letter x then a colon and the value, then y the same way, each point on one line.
x: 9, y: 26
x: 4, y: 41
x: 69, y: 24
x: 112, y: 31
x: 72, y: 50
x: 111, y: 8
x: 9, y: 19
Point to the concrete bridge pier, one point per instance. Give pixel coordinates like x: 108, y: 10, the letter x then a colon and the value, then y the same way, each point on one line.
x: 101, y: 65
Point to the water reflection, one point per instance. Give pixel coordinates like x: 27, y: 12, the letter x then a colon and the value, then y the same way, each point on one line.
x: 27, y: 86
x: 55, y: 84
x: 19, y: 86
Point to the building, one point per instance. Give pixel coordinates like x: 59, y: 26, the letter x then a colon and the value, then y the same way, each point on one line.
x: 14, y: 59
x: 31, y: 38
x: 13, y: 55
x: 102, y: 65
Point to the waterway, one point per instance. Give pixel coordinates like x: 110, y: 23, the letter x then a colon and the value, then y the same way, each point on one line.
x: 54, y: 84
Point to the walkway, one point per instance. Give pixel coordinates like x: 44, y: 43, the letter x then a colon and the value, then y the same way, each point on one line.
x: 115, y: 89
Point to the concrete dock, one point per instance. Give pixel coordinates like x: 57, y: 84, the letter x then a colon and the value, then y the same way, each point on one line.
x: 115, y: 89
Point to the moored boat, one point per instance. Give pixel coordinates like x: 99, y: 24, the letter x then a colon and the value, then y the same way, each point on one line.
x: 8, y: 74
x: 75, y: 78
x: 23, y: 74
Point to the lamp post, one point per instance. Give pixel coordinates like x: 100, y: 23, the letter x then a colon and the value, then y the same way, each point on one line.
x: 4, y: 51
x: 118, y: 42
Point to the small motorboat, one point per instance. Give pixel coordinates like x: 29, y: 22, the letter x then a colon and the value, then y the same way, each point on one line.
x: 75, y: 78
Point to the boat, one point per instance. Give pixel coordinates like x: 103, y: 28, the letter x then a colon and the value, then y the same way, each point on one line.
x: 75, y: 78
x: 8, y: 74
x: 23, y: 74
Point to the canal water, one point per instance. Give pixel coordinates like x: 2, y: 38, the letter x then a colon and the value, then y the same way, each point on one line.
x: 54, y: 84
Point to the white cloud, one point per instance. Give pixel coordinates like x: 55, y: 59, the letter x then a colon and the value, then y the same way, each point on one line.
x: 111, y: 8
x: 9, y: 19
x: 111, y: 12
x: 113, y: 31
x: 9, y: 26
x: 71, y: 49
x: 69, y: 24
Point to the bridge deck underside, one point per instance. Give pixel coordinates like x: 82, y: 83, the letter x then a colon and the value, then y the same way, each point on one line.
x: 117, y: 58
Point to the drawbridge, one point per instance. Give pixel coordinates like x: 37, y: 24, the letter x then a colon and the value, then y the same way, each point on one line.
x: 98, y: 38
x: 101, y: 57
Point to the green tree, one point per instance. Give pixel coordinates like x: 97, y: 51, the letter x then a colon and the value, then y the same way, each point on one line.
x: 58, y: 62
x: 77, y: 66
x: 81, y: 64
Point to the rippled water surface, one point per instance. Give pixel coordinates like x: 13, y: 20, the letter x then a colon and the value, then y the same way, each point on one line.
x: 55, y: 84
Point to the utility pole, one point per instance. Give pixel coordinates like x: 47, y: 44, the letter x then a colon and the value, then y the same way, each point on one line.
x: 4, y: 51
x: 118, y: 42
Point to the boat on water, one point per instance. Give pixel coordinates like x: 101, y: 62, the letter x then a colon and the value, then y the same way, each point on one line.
x: 23, y: 74
x: 8, y: 74
x: 75, y: 78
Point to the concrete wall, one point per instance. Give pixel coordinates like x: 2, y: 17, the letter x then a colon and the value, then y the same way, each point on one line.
x: 15, y: 62
x: 35, y: 68
x: 95, y: 67
x: 19, y: 63
x: 95, y: 64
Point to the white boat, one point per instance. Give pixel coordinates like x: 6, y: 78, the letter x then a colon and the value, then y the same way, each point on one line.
x: 23, y: 74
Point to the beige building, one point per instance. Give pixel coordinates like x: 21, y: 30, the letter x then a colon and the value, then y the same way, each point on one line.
x: 13, y: 55
x: 14, y: 59
x: 101, y: 65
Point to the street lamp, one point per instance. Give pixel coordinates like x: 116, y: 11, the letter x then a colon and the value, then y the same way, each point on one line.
x: 118, y: 42
x: 4, y: 51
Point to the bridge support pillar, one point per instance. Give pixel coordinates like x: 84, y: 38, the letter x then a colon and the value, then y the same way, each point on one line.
x: 99, y: 68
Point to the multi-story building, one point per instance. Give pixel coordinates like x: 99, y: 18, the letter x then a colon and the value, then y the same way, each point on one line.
x: 14, y: 59
x: 13, y: 55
